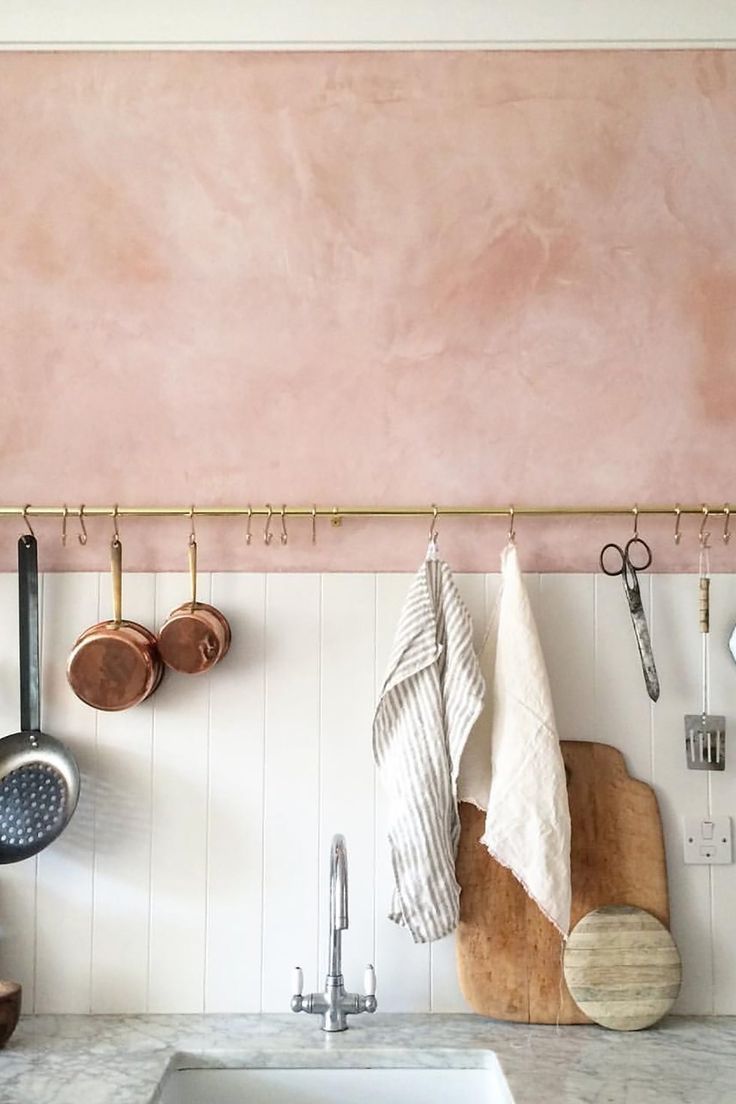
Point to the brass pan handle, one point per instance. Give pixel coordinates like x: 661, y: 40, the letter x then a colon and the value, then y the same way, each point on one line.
x: 193, y: 570
x: 116, y: 574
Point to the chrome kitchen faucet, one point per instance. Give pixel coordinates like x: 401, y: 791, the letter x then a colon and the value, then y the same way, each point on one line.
x: 335, y: 1004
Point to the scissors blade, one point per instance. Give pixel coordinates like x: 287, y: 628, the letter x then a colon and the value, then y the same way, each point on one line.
x: 641, y: 630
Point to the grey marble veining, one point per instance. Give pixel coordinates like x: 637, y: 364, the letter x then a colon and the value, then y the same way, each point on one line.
x: 122, y: 1059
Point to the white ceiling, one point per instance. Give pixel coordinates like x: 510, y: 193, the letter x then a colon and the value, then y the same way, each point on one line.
x: 372, y: 24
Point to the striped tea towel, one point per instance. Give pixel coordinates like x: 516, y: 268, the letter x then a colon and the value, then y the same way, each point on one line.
x: 431, y: 697
x: 512, y: 766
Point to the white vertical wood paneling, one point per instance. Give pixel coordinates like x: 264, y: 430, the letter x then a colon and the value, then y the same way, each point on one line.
x: 194, y: 874
x: 723, y: 790
x: 17, y: 880
x: 403, y: 967
x: 235, y: 836
x: 291, y: 794
x: 178, y: 826
x: 676, y: 644
x: 66, y: 868
x: 347, y: 774
x: 123, y: 837
x: 565, y: 611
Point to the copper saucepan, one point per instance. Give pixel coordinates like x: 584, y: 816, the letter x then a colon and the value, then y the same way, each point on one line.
x: 194, y: 636
x: 115, y: 664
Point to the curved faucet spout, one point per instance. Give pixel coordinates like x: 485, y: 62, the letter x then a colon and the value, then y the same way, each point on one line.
x: 338, y: 902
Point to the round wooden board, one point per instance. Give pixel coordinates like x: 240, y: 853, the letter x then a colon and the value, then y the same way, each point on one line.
x: 622, y: 967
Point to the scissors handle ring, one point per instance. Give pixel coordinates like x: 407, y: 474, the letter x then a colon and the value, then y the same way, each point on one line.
x: 647, y: 551
x: 602, y: 559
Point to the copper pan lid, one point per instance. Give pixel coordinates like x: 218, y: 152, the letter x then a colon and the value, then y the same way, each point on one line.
x: 193, y: 639
x: 114, y: 665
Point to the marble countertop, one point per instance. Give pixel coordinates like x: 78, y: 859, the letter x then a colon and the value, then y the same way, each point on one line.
x: 122, y: 1059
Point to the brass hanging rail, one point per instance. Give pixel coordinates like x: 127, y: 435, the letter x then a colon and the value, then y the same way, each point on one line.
x: 338, y: 512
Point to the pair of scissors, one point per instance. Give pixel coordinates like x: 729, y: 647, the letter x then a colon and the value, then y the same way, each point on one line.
x: 628, y: 569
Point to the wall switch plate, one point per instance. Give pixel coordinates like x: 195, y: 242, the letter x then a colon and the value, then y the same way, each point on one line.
x: 708, y: 840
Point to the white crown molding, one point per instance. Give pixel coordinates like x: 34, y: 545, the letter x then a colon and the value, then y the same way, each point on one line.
x: 372, y: 25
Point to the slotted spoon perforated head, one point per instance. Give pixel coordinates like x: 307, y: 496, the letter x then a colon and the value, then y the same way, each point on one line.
x: 39, y: 777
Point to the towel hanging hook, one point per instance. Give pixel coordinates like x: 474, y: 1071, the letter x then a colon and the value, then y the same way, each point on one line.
x: 635, y: 512
x: 29, y: 527
x: 64, y: 516
x: 726, y: 521
x: 115, y: 530
x: 704, y: 537
x: 433, y: 525
x: 82, y: 535
x: 283, y: 536
x: 248, y: 534
x: 512, y: 531
x: 267, y: 534
x: 678, y: 515
x: 314, y: 524
x: 192, y: 533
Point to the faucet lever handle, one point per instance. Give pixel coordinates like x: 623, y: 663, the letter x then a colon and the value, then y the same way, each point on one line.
x: 298, y: 981
x: 369, y: 981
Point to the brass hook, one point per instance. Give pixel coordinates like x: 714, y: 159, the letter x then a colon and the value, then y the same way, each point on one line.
x: 704, y: 537
x: 512, y: 531
x: 433, y: 525
x: 314, y: 524
x: 64, y: 516
x: 727, y: 519
x: 248, y: 534
x: 82, y: 537
x: 115, y: 530
x: 336, y: 519
x: 284, y: 536
x: 267, y: 534
x: 635, y: 512
x: 192, y: 533
x: 25, y: 518
x: 678, y: 514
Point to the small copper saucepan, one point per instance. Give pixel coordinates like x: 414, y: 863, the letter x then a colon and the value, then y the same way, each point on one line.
x: 194, y: 636
x: 115, y: 665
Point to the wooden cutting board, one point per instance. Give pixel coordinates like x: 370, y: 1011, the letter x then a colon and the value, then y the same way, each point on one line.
x: 509, y: 955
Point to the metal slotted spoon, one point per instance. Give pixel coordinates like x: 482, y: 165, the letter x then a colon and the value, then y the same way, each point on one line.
x: 39, y: 777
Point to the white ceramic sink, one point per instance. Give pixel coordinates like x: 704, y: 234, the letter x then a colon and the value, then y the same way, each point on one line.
x: 337, y: 1086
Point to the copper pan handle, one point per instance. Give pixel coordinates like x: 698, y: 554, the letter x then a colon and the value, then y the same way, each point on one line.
x: 116, y: 574
x: 193, y: 570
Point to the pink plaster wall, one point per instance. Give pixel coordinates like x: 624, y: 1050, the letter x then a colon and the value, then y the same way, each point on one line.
x: 367, y: 278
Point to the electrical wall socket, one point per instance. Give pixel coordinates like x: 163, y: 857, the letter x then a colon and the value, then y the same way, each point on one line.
x: 708, y: 840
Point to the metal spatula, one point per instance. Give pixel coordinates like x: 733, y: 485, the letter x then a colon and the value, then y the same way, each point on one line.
x: 705, y: 733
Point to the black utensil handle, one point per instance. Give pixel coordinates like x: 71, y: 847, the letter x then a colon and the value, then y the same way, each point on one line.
x: 30, y: 677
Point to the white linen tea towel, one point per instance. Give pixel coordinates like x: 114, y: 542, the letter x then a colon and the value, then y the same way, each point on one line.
x: 512, y: 766
x: 430, y: 699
